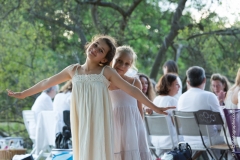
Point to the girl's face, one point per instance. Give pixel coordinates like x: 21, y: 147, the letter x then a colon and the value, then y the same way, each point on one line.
x: 217, y: 86
x: 98, y: 50
x: 174, y: 88
x: 122, y: 62
x: 144, y: 82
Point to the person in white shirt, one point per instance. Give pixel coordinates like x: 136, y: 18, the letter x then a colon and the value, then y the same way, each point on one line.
x: 194, y: 99
x: 44, y: 100
x: 42, y: 103
x: 166, y: 88
x: 170, y: 66
x: 62, y: 101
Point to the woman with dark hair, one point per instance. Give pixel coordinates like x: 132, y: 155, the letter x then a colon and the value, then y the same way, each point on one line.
x: 147, y: 86
x: 166, y: 88
x: 219, y: 85
x: 147, y: 89
x: 170, y: 66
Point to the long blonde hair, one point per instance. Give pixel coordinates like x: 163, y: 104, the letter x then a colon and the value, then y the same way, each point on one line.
x: 237, y: 80
x: 67, y: 87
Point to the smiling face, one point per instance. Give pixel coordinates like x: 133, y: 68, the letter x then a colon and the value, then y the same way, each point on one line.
x: 97, y: 51
x: 122, y: 62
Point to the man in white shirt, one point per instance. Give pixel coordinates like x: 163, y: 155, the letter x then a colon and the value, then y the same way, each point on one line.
x: 44, y: 100
x: 195, y: 98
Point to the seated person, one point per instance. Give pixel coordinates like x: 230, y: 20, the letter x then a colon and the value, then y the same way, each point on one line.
x: 42, y: 103
x: 194, y: 99
x: 62, y: 100
x: 170, y: 66
x: 166, y: 88
x: 44, y: 100
x: 232, y: 101
x: 219, y: 85
x: 147, y: 89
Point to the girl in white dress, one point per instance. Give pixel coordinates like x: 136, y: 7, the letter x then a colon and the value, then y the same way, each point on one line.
x: 166, y: 88
x: 130, y: 136
x: 91, y: 107
x: 232, y: 101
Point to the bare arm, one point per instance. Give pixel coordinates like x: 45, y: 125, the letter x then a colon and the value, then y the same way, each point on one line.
x: 139, y: 86
x: 114, y: 78
x: 61, y: 77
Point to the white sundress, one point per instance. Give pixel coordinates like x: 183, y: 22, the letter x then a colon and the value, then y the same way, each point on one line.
x: 129, y: 132
x: 91, y: 118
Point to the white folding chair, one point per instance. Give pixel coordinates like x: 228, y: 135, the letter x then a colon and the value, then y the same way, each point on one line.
x: 29, y: 119
x: 157, y: 125
x: 186, y: 125
x: 46, y: 129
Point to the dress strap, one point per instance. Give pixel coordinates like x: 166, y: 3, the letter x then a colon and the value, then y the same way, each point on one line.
x: 102, y: 70
x: 76, y: 70
x: 133, y: 81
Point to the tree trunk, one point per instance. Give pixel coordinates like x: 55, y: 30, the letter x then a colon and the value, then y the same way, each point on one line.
x: 175, y: 26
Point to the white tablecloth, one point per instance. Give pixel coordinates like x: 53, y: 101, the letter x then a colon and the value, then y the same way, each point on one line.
x: 48, y: 124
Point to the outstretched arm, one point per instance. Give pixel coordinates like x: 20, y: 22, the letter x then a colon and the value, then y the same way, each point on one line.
x: 114, y: 78
x: 61, y: 77
x: 140, y: 106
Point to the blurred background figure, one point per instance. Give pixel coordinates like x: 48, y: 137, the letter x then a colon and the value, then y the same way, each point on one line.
x: 170, y: 66
x: 219, y: 85
x: 62, y: 100
x: 147, y: 89
x: 44, y: 100
x: 42, y: 103
x: 166, y: 88
x: 232, y: 101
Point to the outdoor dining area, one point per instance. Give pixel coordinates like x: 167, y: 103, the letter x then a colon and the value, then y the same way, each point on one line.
x: 119, y: 80
x: 197, y: 124
x: 186, y: 124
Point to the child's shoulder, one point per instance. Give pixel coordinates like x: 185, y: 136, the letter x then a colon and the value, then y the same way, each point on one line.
x: 133, y: 80
x: 73, y: 67
x: 107, y: 69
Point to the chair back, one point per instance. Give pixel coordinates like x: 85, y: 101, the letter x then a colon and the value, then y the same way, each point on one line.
x: 229, y: 113
x: 157, y: 125
x: 28, y: 117
x: 208, y: 117
x: 232, y: 117
x: 66, y: 118
x: 186, y: 124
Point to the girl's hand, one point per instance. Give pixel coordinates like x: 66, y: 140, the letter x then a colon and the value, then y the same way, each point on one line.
x: 162, y: 110
x: 18, y: 95
x: 149, y: 111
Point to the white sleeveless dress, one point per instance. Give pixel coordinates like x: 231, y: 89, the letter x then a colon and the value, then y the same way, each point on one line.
x: 129, y: 132
x: 229, y: 105
x: 91, y: 118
